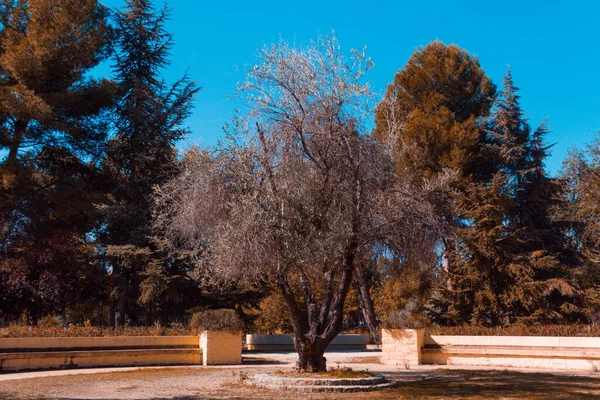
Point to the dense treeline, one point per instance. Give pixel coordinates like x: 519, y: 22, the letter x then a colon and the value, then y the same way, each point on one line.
x: 80, y: 158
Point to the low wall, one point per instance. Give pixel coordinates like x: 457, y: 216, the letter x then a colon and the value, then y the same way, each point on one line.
x: 118, y: 351
x: 258, y: 342
x: 406, y: 347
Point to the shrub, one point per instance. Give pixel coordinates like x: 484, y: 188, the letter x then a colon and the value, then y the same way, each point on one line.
x: 48, y: 322
x: 216, y: 320
x: 592, y: 330
x: 407, y: 318
x: 22, y: 331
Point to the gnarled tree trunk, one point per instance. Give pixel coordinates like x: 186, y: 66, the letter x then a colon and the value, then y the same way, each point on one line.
x: 310, y: 355
x: 323, y: 325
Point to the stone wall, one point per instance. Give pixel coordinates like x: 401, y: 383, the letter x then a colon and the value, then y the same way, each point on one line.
x: 260, y: 342
x: 119, y: 351
x: 405, y: 347
x: 401, y: 347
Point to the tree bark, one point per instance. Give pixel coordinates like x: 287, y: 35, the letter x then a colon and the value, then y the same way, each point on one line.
x: 120, y: 320
x: 366, y: 304
x: 310, y: 355
x: 20, y: 127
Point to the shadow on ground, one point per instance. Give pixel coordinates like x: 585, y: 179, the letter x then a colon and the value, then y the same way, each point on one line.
x: 459, y: 384
x: 260, y: 361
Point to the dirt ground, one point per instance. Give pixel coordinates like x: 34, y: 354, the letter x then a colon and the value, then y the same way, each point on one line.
x: 231, y: 382
x: 221, y: 383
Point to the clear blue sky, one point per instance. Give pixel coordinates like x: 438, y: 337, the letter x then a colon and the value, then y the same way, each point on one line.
x: 552, y: 47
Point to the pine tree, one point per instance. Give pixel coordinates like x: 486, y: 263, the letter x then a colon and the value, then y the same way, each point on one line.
x: 51, y: 138
x: 433, y: 113
x: 149, y: 121
x: 433, y: 110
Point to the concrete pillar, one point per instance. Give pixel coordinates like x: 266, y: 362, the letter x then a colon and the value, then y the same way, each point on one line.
x: 402, y: 347
x: 221, y: 347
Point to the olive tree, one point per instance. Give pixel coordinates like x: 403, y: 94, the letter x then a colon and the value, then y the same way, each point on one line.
x: 300, y: 193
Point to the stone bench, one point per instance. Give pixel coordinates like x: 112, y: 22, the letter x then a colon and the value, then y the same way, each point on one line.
x: 59, y: 359
x: 211, y: 348
x: 409, y: 347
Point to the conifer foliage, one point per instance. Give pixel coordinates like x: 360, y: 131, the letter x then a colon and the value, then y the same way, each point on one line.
x: 513, y: 264
x: 52, y: 135
x: 444, y: 210
x: 149, y: 121
x: 432, y: 110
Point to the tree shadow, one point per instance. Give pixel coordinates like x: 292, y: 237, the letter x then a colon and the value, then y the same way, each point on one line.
x: 260, y: 361
x: 451, y: 384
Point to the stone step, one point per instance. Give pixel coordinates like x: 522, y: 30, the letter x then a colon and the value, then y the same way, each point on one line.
x: 342, y: 389
x: 282, y: 380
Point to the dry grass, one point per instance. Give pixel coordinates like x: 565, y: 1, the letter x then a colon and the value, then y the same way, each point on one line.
x: 339, y: 373
x: 364, y: 360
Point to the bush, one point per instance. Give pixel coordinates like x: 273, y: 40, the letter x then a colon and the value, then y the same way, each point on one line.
x: 407, y: 318
x: 48, y: 322
x: 592, y: 330
x: 216, y: 320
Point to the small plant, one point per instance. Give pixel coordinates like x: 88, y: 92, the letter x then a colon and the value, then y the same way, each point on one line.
x: 48, y: 322
x: 340, y: 368
x: 243, y: 376
x: 216, y: 320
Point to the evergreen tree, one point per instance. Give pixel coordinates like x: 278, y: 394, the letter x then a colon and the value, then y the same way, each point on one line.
x: 149, y: 121
x: 432, y: 112
x: 581, y: 172
x: 51, y: 138
x: 514, y: 265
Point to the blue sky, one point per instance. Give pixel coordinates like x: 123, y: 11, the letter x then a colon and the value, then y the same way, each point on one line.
x: 552, y: 47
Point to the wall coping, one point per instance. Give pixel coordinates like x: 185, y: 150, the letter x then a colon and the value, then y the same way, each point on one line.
x: 97, y: 342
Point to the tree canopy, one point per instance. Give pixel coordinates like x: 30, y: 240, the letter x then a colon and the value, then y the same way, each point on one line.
x: 300, y: 192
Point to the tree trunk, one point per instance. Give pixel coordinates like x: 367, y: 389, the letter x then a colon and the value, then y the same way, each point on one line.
x: 120, y: 321
x: 99, y: 315
x: 112, y: 317
x: 310, y: 355
x: 15, y: 144
x: 366, y: 304
x: 447, y: 266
